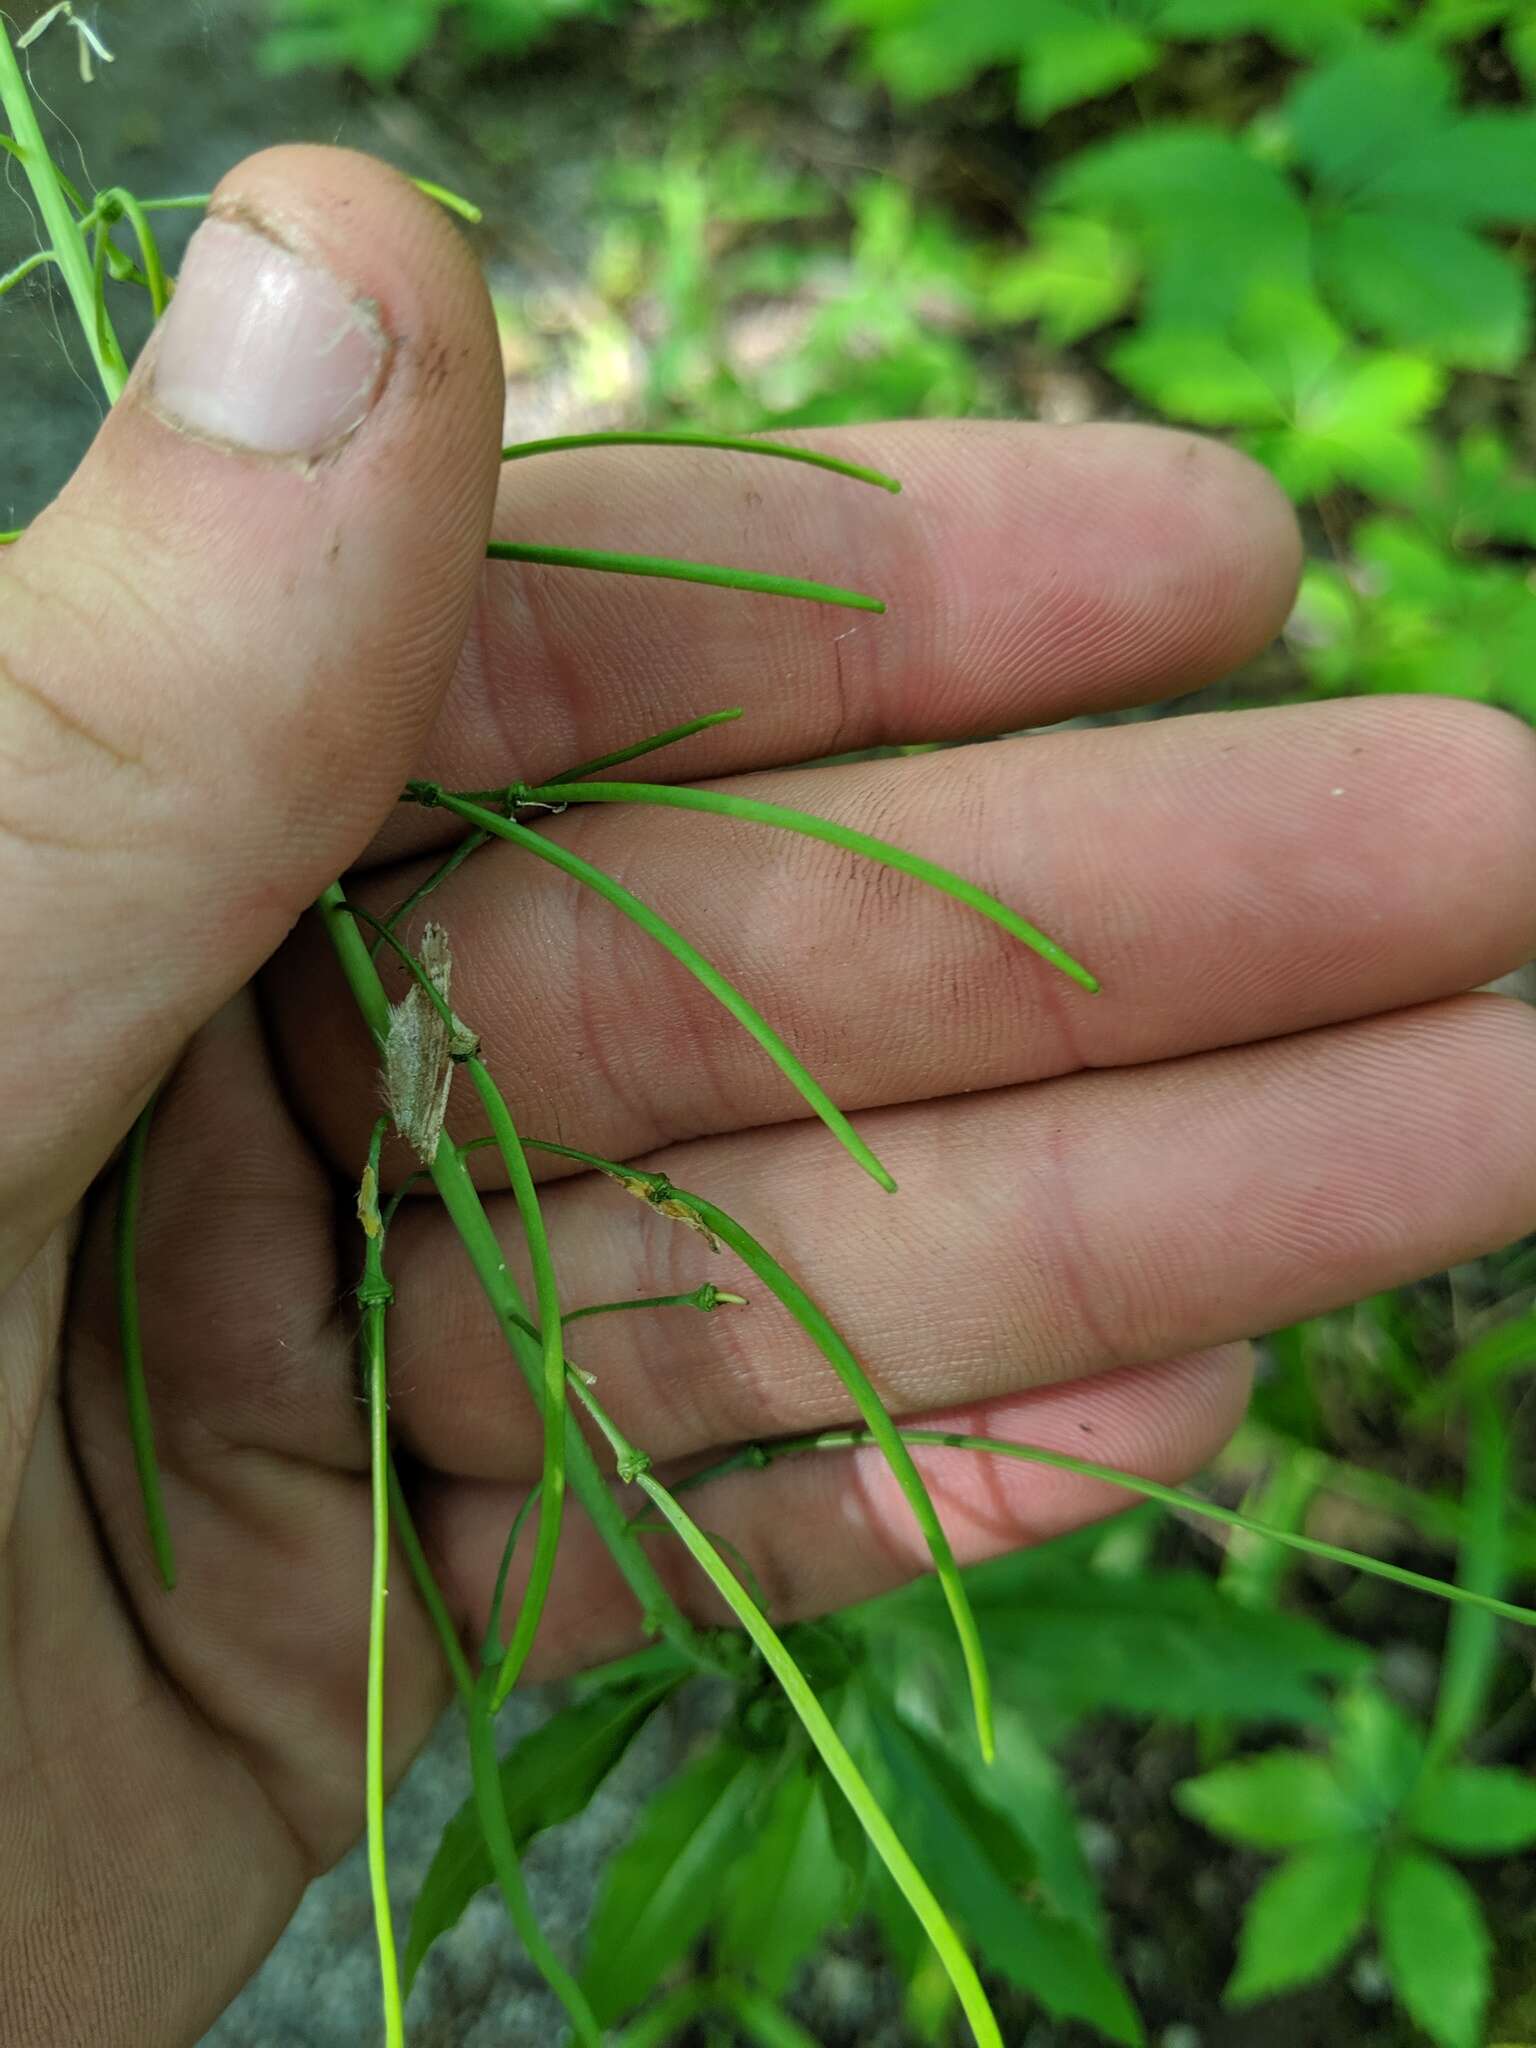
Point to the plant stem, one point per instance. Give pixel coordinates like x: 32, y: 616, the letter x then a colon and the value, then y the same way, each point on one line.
x: 141, y: 1428
x: 552, y: 1481
x: 834, y: 1348
x: 687, y: 955
x: 491, y: 1808
x: 64, y: 237
x: 1472, y: 1640
x: 883, y: 1838
x: 720, y: 803
x: 714, y: 573
x: 467, y: 1213
x: 470, y: 843
x: 374, y: 1296
x: 634, y: 1465
x: 757, y: 1457
x: 730, y: 443
x: 431, y: 1593
x: 706, y: 1299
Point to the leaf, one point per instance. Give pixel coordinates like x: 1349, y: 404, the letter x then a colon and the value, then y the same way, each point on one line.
x: 1025, y: 1782
x: 550, y: 1776
x: 1475, y: 1812
x: 1077, y: 275
x: 784, y: 1889
x: 1160, y: 1643
x: 1349, y: 119
x: 1303, y: 27
x: 1426, y: 284
x: 1378, y: 1752
x: 1283, y: 1799
x: 1066, y: 50
x: 1071, y: 60
x: 1193, y: 375
x: 658, y: 1893
x: 978, y: 1865
x: 1434, y: 1942
x: 1303, y: 1918
x: 1176, y: 194
x: 1403, y: 176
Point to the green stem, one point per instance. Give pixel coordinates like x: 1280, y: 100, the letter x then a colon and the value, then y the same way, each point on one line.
x: 666, y: 936
x: 674, y: 1201
x: 467, y: 1213
x: 491, y: 1808
x: 118, y: 200
x: 713, y: 573
x: 470, y: 843
x: 64, y: 237
x: 877, y: 1420
x: 759, y: 2018
x: 374, y: 1296
x: 663, y: 2026
x: 492, y: 1648
x: 654, y: 744
x: 552, y: 1480
x: 1472, y: 1641
x: 883, y: 1838
x: 757, y: 1457
x: 732, y: 444
x: 720, y: 804
x: 25, y: 268
x: 141, y: 1428
x: 706, y: 1299
x: 407, y: 1536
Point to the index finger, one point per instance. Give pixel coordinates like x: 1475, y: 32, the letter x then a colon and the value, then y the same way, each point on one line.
x: 1032, y: 573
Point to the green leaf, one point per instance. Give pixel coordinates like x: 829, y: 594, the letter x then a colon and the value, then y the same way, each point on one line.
x: 549, y: 1777
x: 1303, y: 27
x: 1434, y: 1942
x: 1190, y: 374
x: 1402, y: 177
x: 1071, y: 60
x: 1482, y: 168
x: 1475, y: 1812
x: 1427, y: 284
x: 1026, y: 1783
x: 1373, y: 105
x: 659, y: 1892
x: 1176, y: 194
x: 1077, y: 275
x: 1283, y: 1799
x: 1066, y: 50
x: 1159, y: 1643
x: 784, y: 1890
x: 1435, y: 621
x: 979, y: 1865
x: 1303, y: 1918
x: 1378, y: 1752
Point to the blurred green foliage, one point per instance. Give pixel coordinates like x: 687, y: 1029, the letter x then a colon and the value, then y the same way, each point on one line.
x: 1305, y: 225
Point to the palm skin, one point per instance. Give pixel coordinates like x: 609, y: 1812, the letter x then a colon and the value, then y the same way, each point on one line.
x: 1281, y: 1100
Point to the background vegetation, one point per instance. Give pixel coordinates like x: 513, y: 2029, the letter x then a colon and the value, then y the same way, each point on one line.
x: 1241, y: 1797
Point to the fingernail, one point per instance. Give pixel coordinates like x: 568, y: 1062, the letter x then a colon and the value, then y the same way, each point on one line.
x: 262, y: 349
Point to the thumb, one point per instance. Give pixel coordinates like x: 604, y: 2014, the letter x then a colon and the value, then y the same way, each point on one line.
x: 222, y: 645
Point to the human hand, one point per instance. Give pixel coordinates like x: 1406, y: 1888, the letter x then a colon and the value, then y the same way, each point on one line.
x: 221, y: 669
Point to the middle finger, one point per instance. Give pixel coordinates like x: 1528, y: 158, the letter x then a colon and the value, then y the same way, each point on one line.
x: 1229, y: 878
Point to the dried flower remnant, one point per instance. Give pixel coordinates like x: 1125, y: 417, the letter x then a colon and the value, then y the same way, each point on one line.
x: 420, y: 1050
